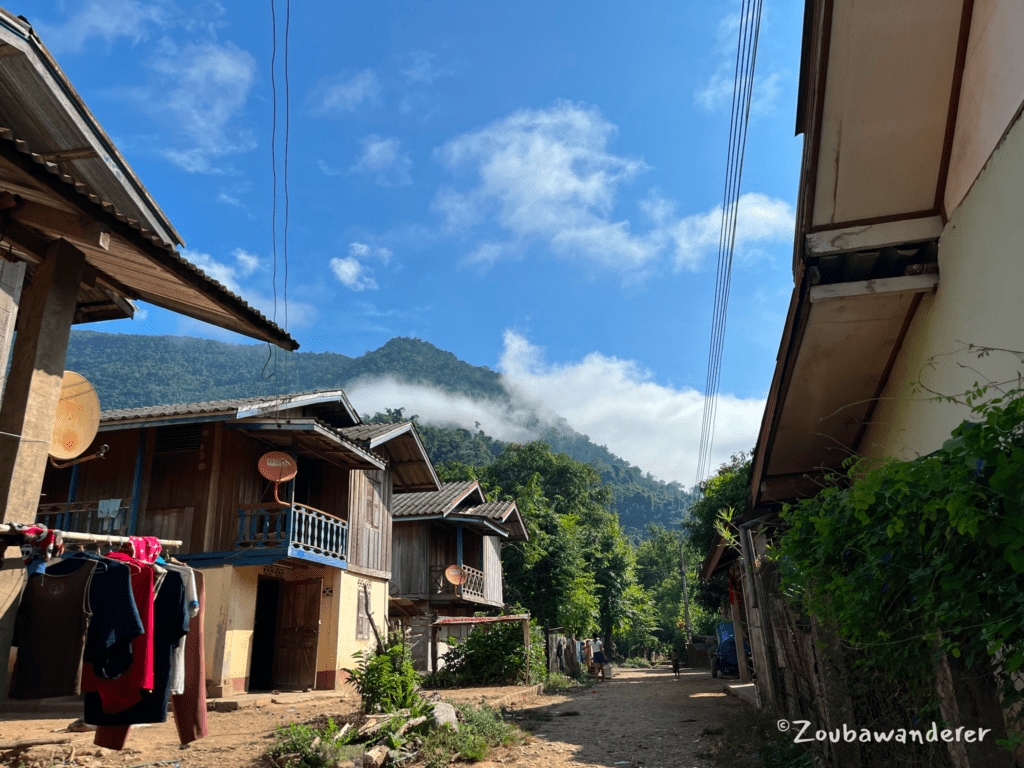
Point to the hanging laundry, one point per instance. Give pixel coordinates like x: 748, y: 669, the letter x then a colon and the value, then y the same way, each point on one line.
x: 170, y: 624
x: 192, y: 606
x: 81, y: 611
x: 190, y: 706
x: 126, y: 690
x: 106, y: 512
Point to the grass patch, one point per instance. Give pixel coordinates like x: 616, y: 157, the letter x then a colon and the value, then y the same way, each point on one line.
x: 481, y: 729
x: 637, y: 663
x: 313, y: 746
x: 559, y: 682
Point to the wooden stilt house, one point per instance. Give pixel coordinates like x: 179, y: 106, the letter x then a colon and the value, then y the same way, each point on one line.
x: 293, y: 587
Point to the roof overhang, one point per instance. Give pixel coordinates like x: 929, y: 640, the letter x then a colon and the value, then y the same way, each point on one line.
x: 414, y: 472
x: 313, y: 437
x: 61, y: 178
x: 878, y: 124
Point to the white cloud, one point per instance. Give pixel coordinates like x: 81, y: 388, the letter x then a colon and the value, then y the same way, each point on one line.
x: 200, y: 89
x: 617, y: 404
x: 223, y: 273
x: 547, y: 176
x: 383, y: 161
x: 759, y: 219
x: 247, y: 262
x: 353, y: 274
x: 362, y: 251
x: 107, y: 20
x: 614, y: 402
x: 717, y: 92
x: 345, y: 93
x: 422, y: 69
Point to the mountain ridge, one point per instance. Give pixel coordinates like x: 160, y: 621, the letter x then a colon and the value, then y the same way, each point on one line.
x: 131, y: 371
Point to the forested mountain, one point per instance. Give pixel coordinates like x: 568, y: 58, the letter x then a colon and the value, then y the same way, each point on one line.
x: 131, y: 371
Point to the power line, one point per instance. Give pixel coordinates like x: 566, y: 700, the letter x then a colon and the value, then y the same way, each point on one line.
x: 739, y: 119
x: 273, y: 173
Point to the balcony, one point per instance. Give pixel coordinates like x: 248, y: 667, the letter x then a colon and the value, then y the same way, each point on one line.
x: 472, y: 589
x: 83, y: 517
x: 268, y: 532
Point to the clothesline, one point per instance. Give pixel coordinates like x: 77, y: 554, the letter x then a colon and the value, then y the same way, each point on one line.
x: 97, y: 537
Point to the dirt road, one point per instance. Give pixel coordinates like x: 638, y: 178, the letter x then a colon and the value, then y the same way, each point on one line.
x: 640, y: 718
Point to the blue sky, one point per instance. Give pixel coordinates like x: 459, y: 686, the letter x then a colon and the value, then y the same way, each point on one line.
x: 535, y: 187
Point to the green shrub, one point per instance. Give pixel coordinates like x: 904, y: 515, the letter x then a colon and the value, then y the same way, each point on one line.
x: 482, y: 728
x: 493, y: 654
x: 315, y: 747
x: 386, y: 681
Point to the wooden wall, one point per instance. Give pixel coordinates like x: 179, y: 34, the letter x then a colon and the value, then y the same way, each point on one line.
x: 493, y: 587
x: 369, y: 521
x: 409, y: 570
x: 108, y: 478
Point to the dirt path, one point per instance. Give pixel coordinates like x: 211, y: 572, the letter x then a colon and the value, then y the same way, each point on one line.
x: 640, y: 718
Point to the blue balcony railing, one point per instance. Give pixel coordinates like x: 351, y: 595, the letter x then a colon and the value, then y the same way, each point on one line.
x: 299, y: 529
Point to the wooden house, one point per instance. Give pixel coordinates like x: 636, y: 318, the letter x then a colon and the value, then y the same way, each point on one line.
x: 455, y: 525
x: 291, y: 586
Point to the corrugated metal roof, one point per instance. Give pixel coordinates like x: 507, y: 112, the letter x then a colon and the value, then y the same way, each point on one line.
x: 414, y: 472
x: 432, y: 503
x: 492, y: 510
x: 240, y: 407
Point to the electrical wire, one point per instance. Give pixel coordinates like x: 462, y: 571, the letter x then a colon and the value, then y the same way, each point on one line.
x: 273, y: 173
x: 739, y: 119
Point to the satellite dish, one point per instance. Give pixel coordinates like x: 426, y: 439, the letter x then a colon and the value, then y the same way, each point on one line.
x: 455, y: 575
x: 78, y: 417
x: 278, y: 467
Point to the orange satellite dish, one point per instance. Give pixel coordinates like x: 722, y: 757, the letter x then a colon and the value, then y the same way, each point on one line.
x: 78, y: 417
x: 278, y: 467
x: 455, y: 575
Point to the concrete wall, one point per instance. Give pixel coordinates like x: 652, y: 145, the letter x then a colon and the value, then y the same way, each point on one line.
x: 231, y: 613
x: 978, y: 301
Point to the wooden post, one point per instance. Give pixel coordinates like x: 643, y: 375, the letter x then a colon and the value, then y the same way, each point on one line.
x: 433, y: 648
x: 29, y: 407
x: 526, y: 645
x: 37, y: 372
x: 11, y: 278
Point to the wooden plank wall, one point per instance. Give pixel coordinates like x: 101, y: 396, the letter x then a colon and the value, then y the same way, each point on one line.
x: 492, y: 570
x: 409, y: 558
x: 108, y: 478
x: 238, y: 482
x: 369, y: 519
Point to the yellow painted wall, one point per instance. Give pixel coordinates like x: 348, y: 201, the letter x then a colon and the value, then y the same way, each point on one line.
x: 979, y: 300
x: 231, y: 613
x: 348, y: 607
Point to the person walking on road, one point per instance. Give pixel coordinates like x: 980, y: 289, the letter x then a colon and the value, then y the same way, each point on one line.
x: 599, y: 661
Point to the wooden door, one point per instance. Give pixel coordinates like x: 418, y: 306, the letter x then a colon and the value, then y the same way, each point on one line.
x: 298, y: 632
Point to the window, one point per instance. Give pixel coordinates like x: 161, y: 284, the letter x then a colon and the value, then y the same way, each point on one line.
x: 362, y: 617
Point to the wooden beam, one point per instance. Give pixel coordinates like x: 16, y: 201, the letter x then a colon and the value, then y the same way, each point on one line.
x: 84, y: 153
x: 906, y: 284
x: 869, y: 237
x: 85, y: 229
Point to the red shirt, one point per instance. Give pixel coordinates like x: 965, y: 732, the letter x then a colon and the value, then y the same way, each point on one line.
x: 126, y: 690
